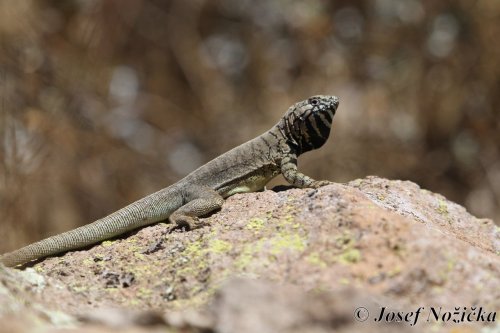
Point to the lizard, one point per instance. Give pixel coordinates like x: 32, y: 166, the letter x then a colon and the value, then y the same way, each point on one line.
x: 246, y: 168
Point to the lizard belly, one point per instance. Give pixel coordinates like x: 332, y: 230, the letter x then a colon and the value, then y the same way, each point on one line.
x: 251, y: 184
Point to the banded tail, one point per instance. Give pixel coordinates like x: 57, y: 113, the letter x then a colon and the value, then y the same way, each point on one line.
x: 153, y: 208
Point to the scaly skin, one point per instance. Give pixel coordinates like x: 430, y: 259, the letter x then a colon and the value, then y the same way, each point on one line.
x: 246, y: 168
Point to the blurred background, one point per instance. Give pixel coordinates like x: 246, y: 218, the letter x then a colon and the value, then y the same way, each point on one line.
x: 103, y: 102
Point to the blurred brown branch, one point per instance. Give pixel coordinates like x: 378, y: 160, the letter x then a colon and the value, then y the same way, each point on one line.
x: 106, y: 101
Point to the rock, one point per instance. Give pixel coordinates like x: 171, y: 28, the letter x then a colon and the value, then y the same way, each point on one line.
x: 247, y: 306
x: 388, y: 244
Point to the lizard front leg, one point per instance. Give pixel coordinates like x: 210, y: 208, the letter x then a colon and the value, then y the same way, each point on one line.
x: 289, y: 171
x: 200, y: 201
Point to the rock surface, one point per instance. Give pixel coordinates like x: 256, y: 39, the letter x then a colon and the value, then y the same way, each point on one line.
x: 277, y: 261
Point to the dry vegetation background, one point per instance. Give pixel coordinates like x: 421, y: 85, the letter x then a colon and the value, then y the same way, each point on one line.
x: 103, y: 102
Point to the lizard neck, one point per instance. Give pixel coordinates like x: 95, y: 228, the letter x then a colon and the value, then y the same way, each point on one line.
x: 284, y: 142
x: 300, y: 135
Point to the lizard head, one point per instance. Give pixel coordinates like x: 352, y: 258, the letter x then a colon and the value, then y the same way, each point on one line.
x: 306, y: 124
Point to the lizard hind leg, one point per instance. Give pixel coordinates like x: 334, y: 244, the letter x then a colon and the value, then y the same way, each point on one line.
x: 200, y: 202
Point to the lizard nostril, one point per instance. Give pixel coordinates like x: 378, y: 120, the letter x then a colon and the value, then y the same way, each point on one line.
x: 335, y: 101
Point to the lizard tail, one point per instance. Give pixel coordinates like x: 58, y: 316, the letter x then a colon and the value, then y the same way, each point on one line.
x: 140, y: 213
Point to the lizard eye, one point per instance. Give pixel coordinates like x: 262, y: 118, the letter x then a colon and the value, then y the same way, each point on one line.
x: 314, y: 102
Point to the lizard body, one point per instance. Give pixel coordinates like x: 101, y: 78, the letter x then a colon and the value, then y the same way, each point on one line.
x: 245, y: 168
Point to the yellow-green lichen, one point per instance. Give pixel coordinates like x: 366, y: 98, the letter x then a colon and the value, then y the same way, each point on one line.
x: 194, y: 258
x: 370, y: 206
x: 320, y: 288
x: 287, y: 241
x: 288, y: 219
x: 346, y: 240
x: 140, y: 271
x: 243, y: 260
x: 88, y: 262
x: 79, y: 289
x: 290, y: 208
x: 424, y: 191
x: 196, y: 300
x: 356, y: 182
x: 133, y: 302
x: 139, y: 255
x: 219, y: 246
x: 107, y: 243
x: 450, y: 265
x: 193, y: 249
x: 134, y: 248
x: 144, y: 293
x: 191, y: 265
x: 442, y: 208
x: 350, y: 256
x: 315, y: 259
x: 395, y: 271
x: 344, y: 281
x: 437, y: 289
x: 255, y: 224
x: 248, y: 254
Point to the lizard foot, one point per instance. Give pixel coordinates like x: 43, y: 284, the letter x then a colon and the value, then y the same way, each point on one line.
x: 320, y: 183
x: 185, y: 223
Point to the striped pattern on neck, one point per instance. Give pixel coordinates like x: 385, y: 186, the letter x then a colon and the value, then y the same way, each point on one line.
x: 306, y: 125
